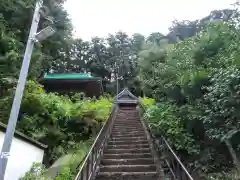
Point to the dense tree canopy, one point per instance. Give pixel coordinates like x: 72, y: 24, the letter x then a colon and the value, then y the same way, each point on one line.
x: 195, y: 82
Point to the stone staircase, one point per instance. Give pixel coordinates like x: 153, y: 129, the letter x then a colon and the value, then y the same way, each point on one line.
x: 131, y: 151
x: 128, y: 155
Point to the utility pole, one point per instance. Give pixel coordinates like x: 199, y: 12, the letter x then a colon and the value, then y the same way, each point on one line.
x: 117, y: 72
x: 117, y: 81
x: 33, y: 37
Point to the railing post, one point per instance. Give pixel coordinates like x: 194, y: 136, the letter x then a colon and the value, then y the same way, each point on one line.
x: 85, y: 172
x: 89, y: 165
x: 81, y: 176
x: 94, y: 157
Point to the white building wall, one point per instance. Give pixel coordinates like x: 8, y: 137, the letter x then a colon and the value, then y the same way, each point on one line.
x: 22, y: 156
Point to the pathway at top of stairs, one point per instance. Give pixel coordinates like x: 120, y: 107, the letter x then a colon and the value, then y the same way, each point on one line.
x: 127, y: 155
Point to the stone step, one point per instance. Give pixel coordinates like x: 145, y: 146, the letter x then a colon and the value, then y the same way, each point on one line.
x: 127, y: 129
x: 124, y: 131
x: 128, y: 134
x: 128, y: 126
x: 128, y: 121
x: 133, y: 151
x: 134, y: 124
x: 129, y: 118
x: 121, y: 133
x: 130, y: 114
x: 127, y: 161
x: 128, y: 168
x: 127, y: 156
x: 128, y: 138
x: 126, y: 118
x: 127, y: 176
x: 122, y: 121
x: 127, y: 142
x: 128, y: 146
x: 124, y: 113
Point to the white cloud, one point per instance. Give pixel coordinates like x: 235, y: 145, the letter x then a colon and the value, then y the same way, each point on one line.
x: 100, y: 17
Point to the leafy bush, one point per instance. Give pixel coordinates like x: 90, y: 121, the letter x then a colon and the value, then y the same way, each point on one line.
x: 39, y: 172
x: 100, y: 109
x: 164, y: 120
x: 234, y: 175
x: 36, y: 172
x: 221, y: 104
x: 147, y: 102
x: 57, y: 121
x: 65, y: 174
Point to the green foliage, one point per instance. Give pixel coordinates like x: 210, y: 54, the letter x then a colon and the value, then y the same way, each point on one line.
x: 65, y: 174
x: 163, y: 119
x: 221, y: 104
x: 195, y: 82
x: 35, y: 173
x: 67, y: 127
x: 99, y: 109
x: 147, y: 102
x: 234, y: 175
x: 39, y: 172
x: 57, y: 121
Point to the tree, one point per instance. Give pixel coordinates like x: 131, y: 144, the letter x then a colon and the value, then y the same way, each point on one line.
x: 155, y: 38
x: 198, y: 78
x: 221, y: 108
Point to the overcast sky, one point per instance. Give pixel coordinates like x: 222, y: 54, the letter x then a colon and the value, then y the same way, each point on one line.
x: 101, y: 17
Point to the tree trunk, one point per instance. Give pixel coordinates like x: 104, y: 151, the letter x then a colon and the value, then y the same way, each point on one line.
x: 233, y: 154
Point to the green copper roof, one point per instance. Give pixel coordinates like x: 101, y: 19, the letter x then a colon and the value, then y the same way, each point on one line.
x: 68, y: 76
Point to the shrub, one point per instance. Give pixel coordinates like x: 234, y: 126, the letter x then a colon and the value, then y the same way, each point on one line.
x: 58, y: 121
x: 164, y: 120
x: 147, y: 102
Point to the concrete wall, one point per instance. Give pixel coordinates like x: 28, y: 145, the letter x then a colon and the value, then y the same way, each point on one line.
x: 22, y: 155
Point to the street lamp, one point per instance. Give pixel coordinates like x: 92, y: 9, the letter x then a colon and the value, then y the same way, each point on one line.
x: 33, y: 37
x: 44, y: 34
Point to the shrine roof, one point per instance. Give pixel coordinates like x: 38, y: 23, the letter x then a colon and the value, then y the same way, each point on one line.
x: 69, y: 76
